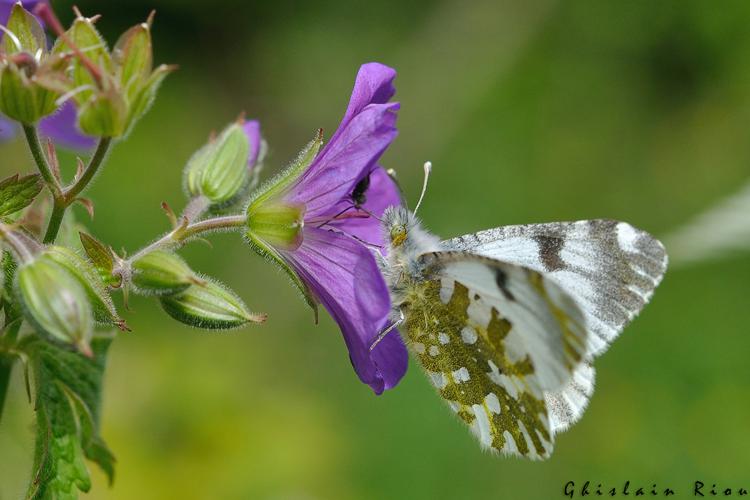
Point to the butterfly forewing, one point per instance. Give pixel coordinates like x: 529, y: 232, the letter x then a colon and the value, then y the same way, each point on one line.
x: 609, y: 268
x: 493, y: 337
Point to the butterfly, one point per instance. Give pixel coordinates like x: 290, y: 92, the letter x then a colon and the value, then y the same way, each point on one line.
x: 507, y: 322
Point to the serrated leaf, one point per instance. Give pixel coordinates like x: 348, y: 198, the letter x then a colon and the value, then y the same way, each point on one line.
x: 16, y: 193
x: 68, y: 393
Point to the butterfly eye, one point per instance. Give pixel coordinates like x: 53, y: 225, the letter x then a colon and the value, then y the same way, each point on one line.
x: 398, y: 236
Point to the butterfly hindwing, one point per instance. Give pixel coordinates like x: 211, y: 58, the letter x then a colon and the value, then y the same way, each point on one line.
x: 493, y: 337
x: 609, y: 268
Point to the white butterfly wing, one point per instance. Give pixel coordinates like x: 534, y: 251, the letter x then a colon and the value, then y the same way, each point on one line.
x: 609, y: 268
x: 493, y: 337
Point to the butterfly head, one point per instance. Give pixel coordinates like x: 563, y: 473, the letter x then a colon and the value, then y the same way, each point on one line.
x: 397, y: 222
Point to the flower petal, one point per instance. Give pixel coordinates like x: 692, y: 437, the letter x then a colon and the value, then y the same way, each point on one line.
x: 7, y: 129
x: 357, y: 147
x: 381, y: 194
x: 252, y: 130
x: 373, y: 85
x: 345, y: 278
x: 366, y: 130
x: 62, y: 127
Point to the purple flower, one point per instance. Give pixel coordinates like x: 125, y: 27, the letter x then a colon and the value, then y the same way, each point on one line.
x: 61, y: 126
x: 252, y: 130
x: 319, y: 225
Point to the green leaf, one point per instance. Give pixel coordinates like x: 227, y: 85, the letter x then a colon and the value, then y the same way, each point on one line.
x: 68, y: 393
x: 16, y: 193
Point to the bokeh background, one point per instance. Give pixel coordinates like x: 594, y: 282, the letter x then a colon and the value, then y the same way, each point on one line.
x: 530, y: 111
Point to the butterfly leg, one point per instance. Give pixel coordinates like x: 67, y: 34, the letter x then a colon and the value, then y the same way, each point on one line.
x: 388, y: 330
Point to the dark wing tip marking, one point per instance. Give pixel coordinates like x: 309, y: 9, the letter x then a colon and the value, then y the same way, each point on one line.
x: 549, y: 251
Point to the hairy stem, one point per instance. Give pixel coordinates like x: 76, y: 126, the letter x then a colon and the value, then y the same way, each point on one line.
x: 37, y: 152
x: 93, y: 167
x: 55, y: 220
x: 178, y: 236
x: 63, y: 198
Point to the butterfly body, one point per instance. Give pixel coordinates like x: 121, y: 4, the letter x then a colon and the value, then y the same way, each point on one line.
x: 506, y: 346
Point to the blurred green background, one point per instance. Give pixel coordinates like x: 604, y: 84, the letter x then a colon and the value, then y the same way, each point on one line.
x: 530, y: 111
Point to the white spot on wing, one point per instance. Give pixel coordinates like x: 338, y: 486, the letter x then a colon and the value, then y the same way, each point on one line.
x: 438, y: 379
x: 468, y: 335
x: 446, y: 290
x: 419, y: 347
x: 626, y: 237
x: 461, y: 375
x: 434, y: 351
x: 485, y: 437
x: 443, y: 338
x: 493, y: 403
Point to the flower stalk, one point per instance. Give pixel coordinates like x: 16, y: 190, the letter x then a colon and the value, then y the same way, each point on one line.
x: 62, y: 197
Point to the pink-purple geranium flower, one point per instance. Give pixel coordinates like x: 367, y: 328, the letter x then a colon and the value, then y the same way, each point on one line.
x: 61, y: 126
x: 320, y: 224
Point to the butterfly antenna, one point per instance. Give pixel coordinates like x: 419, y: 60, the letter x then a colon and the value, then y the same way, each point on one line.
x: 427, y: 170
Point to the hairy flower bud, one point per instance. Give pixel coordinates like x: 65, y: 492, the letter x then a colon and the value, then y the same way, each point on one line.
x: 219, y: 170
x: 211, y: 306
x: 55, y: 302
x: 112, y: 91
x: 161, y: 273
x: 84, y: 272
x: 25, y: 67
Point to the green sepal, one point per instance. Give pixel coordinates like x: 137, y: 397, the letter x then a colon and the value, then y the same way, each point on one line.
x: 25, y: 31
x: 133, y: 56
x: 86, y: 37
x: 103, y: 114
x: 210, y: 306
x: 161, y: 273
x: 143, y: 98
x: 265, y: 195
x: 278, y: 184
x: 272, y: 255
x: 21, y: 98
x: 102, y: 257
x: 68, y: 394
x: 87, y: 276
x: 16, y: 193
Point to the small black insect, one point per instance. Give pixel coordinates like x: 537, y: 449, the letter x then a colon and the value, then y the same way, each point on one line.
x: 359, y: 194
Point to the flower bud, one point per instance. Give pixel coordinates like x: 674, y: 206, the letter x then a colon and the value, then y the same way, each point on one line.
x: 23, y: 66
x: 55, y: 303
x: 161, y: 273
x: 84, y: 272
x: 112, y: 91
x: 219, y: 170
x: 211, y: 306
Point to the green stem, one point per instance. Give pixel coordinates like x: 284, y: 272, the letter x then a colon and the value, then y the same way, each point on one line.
x: 63, y: 198
x: 55, y: 220
x: 37, y: 152
x: 96, y: 161
x: 181, y: 234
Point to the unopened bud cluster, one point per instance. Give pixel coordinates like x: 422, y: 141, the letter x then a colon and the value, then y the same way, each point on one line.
x: 111, y: 90
x: 187, y: 297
